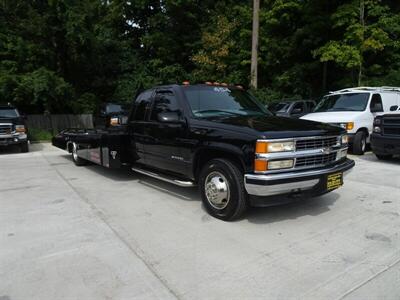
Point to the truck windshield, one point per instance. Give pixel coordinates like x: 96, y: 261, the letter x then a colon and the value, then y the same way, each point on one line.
x: 210, y: 101
x: 8, y: 113
x: 343, y: 102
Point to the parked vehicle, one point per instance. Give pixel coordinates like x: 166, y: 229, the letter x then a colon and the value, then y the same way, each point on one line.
x: 355, y: 109
x: 223, y: 140
x: 385, y: 139
x: 13, y: 130
x: 292, y: 108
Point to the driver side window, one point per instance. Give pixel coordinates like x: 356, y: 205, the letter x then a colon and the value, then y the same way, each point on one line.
x: 165, y: 101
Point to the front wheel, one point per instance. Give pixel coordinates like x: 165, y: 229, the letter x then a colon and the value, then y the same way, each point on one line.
x: 222, y: 189
x: 360, y: 143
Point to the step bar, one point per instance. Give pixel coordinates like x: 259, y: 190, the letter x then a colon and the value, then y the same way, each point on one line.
x: 165, y: 178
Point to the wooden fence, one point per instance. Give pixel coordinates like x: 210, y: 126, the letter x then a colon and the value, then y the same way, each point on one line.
x: 56, y: 123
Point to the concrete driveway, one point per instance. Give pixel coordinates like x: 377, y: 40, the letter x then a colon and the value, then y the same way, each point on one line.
x: 70, y: 232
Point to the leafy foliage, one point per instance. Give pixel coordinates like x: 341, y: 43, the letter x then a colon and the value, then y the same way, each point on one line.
x: 67, y: 56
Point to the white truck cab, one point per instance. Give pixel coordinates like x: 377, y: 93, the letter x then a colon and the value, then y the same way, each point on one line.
x: 355, y: 109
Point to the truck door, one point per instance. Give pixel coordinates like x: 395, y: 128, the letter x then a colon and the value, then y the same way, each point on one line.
x: 163, y: 137
x: 137, y: 125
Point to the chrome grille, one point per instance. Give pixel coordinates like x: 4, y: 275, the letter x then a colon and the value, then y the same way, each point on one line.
x: 316, y: 143
x: 5, y: 129
x: 315, y: 160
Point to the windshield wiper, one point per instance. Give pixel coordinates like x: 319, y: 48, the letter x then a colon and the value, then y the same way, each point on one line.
x: 216, y: 111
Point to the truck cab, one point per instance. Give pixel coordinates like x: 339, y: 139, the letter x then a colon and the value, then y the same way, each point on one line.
x: 354, y: 109
x: 13, y: 129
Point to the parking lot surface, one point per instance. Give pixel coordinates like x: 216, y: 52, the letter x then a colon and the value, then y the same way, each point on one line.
x: 70, y: 232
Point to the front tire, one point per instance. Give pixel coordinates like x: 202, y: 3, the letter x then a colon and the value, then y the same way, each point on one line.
x: 77, y: 160
x: 222, y: 189
x: 360, y: 143
x: 24, y: 147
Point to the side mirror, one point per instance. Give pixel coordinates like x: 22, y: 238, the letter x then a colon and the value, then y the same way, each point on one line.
x: 169, y: 117
x: 394, y: 108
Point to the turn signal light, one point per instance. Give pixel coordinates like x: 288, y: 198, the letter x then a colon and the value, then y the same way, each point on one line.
x: 349, y: 125
x: 261, y: 147
x: 260, y: 165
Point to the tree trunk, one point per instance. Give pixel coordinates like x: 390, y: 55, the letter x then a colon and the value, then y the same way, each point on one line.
x: 254, y: 45
x: 362, y: 22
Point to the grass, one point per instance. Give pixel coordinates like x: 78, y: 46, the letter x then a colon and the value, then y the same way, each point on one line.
x: 36, y: 134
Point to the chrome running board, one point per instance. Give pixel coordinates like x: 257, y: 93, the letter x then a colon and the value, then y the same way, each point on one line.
x: 164, y: 178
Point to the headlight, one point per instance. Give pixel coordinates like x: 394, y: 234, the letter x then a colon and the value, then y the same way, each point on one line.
x: 377, y: 121
x: 347, y: 126
x: 345, y: 139
x: 20, y: 128
x: 377, y: 129
x: 273, y: 147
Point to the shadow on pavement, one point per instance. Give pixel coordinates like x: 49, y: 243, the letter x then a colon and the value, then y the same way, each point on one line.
x: 302, y: 207
x: 14, y: 149
x: 258, y: 215
x: 372, y: 158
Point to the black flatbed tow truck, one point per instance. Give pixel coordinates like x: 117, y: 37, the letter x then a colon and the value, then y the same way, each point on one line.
x: 222, y: 139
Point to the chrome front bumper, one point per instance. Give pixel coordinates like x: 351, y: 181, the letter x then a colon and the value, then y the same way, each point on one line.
x: 291, y: 182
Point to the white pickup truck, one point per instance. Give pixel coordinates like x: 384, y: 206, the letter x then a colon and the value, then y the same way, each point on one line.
x: 355, y: 109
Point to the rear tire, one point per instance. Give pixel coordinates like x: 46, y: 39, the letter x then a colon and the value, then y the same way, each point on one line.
x: 77, y: 160
x: 222, y: 190
x: 384, y: 156
x: 24, y: 147
x: 360, y: 143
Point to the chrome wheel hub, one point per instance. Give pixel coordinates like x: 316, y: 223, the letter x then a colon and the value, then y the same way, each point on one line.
x: 217, y: 190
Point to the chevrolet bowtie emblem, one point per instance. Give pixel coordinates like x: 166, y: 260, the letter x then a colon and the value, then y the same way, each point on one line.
x: 326, y: 150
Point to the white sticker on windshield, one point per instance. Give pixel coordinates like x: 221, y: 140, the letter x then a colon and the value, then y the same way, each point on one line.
x: 221, y: 89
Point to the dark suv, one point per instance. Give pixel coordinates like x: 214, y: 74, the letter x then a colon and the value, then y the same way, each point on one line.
x: 13, y: 130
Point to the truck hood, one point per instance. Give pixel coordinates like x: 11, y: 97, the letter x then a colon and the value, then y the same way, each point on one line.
x: 333, y: 117
x: 279, y: 127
